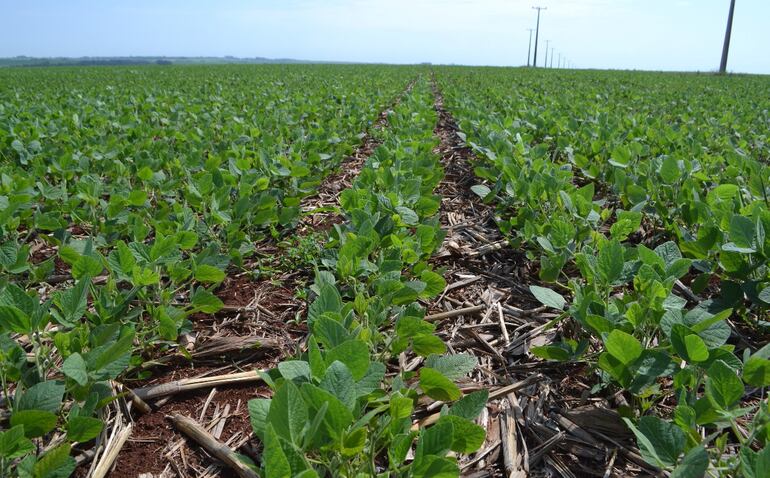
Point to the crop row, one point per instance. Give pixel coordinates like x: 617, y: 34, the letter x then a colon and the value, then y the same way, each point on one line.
x: 625, y: 191
x: 336, y: 410
x: 126, y: 195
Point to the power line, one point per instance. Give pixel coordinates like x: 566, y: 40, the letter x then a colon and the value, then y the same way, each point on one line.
x: 537, y: 31
x: 728, y: 33
x: 529, y: 48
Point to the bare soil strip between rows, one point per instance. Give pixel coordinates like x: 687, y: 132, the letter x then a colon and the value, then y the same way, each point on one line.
x: 253, y: 331
x: 551, y: 426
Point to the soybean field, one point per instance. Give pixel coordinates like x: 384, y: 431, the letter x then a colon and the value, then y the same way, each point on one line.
x: 394, y: 271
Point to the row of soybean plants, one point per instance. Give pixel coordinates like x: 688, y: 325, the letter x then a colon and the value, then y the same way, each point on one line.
x: 344, y: 408
x: 154, y: 181
x: 644, y: 198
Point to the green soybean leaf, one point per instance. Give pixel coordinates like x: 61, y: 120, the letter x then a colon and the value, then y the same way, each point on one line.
x: 108, y: 361
x: 372, y: 380
x: 87, y: 266
x: 72, y: 302
x: 42, y: 396
x: 427, y: 344
x: 453, y: 366
x: 74, y: 367
x: 693, y: 465
x: 436, y: 440
x: 756, y: 372
x: 206, y: 302
x: 696, y: 348
x: 315, y: 359
x: 755, y: 464
x: 14, y: 320
x: 408, y: 215
x: 329, y: 332
x: 610, y: 261
x: 209, y: 274
x: 83, y: 429
x: 548, y: 297
x: 399, y: 447
x: 337, y: 416
x: 627, y: 223
x: 467, y: 436
x: 353, y: 443
x: 437, y: 467
x: 669, y: 252
x: 36, y: 423
x: 481, y: 190
x: 329, y: 300
x: 764, y: 295
x: 288, y: 413
x: 669, y: 170
x: 339, y: 382
x: 56, y: 463
x: 296, y: 370
x: 686, y: 343
x: 615, y: 368
x: 435, y: 284
x: 354, y: 354
x: 13, y: 443
x: 137, y: 198
x: 660, y: 442
x: 723, y: 387
x: 551, y: 352
x: 274, y: 459
x: 470, y: 405
x: 400, y: 407
x: 723, y: 192
x: 437, y: 386
x: 623, y: 346
x: 258, y: 410
x: 742, y: 231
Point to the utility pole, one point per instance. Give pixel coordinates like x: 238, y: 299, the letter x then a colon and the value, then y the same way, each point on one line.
x: 529, y: 49
x: 537, y: 32
x: 728, y: 33
x: 545, y: 63
x: 551, y: 57
x: 558, y: 63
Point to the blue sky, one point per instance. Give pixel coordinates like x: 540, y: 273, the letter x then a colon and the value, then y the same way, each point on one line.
x: 641, y: 34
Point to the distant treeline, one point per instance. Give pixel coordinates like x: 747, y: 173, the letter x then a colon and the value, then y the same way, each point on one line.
x: 138, y: 60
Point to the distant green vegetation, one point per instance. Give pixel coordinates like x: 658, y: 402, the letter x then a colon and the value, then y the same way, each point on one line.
x: 142, y: 60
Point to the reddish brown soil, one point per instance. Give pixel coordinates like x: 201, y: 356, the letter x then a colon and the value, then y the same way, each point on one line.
x: 242, y: 291
x: 144, y: 452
